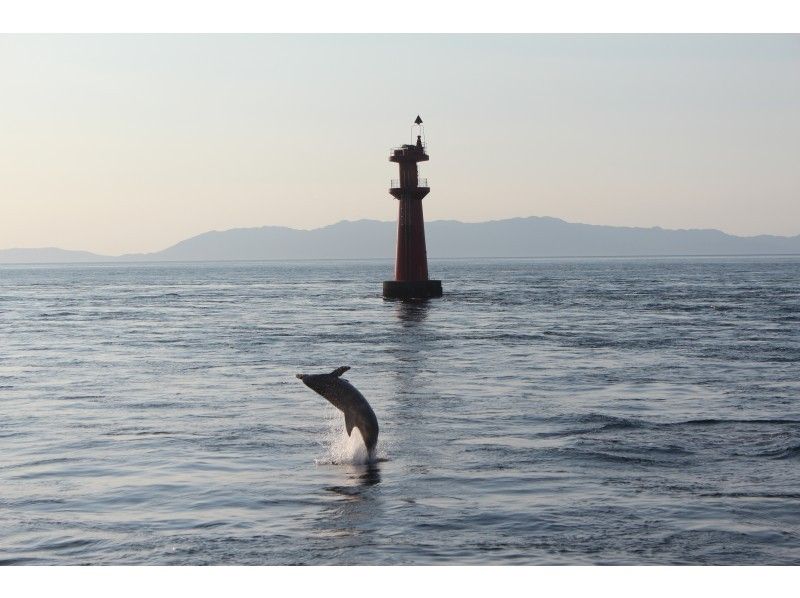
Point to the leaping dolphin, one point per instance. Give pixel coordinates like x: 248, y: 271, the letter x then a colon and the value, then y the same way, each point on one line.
x: 345, y: 397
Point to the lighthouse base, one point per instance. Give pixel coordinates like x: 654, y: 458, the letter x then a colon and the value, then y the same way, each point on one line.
x: 412, y: 289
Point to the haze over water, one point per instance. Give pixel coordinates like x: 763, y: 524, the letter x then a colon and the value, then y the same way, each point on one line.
x: 542, y: 412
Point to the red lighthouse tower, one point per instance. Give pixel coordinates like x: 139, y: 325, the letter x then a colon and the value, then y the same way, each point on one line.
x: 411, y: 268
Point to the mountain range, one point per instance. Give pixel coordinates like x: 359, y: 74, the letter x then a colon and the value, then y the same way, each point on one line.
x: 364, y: 239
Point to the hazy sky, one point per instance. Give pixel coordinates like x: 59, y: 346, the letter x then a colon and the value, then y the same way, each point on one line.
x: 120, y: 143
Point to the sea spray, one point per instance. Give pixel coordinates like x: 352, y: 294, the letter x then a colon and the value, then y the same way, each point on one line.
x: 343, y: 449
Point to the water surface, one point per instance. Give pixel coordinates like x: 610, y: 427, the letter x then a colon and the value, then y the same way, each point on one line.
x: 542, y: 412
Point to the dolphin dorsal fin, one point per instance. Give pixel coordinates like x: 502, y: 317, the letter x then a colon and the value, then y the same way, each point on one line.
x: 339, y: 371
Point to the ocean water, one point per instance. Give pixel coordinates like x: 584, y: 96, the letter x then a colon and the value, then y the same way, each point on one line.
x: 612, y: 411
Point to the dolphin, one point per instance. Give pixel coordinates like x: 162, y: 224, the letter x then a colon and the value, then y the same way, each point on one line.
x: 345, y: 397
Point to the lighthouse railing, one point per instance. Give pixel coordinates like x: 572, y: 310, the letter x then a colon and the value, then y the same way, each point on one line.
x: 395, y: 183
x: 406, y: 147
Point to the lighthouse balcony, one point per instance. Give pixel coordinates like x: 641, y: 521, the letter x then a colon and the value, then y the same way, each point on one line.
x: 399, y: 192
x: 396, y: 184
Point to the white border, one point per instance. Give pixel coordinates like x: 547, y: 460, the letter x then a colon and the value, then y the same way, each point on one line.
x: 394, y: 16
x: 400, y: 582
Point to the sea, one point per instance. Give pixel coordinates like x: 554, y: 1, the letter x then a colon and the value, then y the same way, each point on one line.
x: 543, y: 412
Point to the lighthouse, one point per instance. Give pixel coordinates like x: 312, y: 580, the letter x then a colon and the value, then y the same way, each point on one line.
x: 411, y: 266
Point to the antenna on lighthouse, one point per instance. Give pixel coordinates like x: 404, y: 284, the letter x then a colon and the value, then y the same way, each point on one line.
x: 418, y: 132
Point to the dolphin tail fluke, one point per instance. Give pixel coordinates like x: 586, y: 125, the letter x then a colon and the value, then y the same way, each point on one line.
x: 339, y: 371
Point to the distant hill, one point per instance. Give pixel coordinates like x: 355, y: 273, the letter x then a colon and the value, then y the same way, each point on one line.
x: 516, y: 237
x: 360, y: 239
x: 49, y: 255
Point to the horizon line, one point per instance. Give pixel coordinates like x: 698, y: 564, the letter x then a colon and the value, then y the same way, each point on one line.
x: 649, y: 256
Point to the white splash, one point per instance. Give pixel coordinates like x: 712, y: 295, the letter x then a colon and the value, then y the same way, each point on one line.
x: 343, y: 449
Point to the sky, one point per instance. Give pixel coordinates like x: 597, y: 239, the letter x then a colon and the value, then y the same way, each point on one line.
x: 131, y: 143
